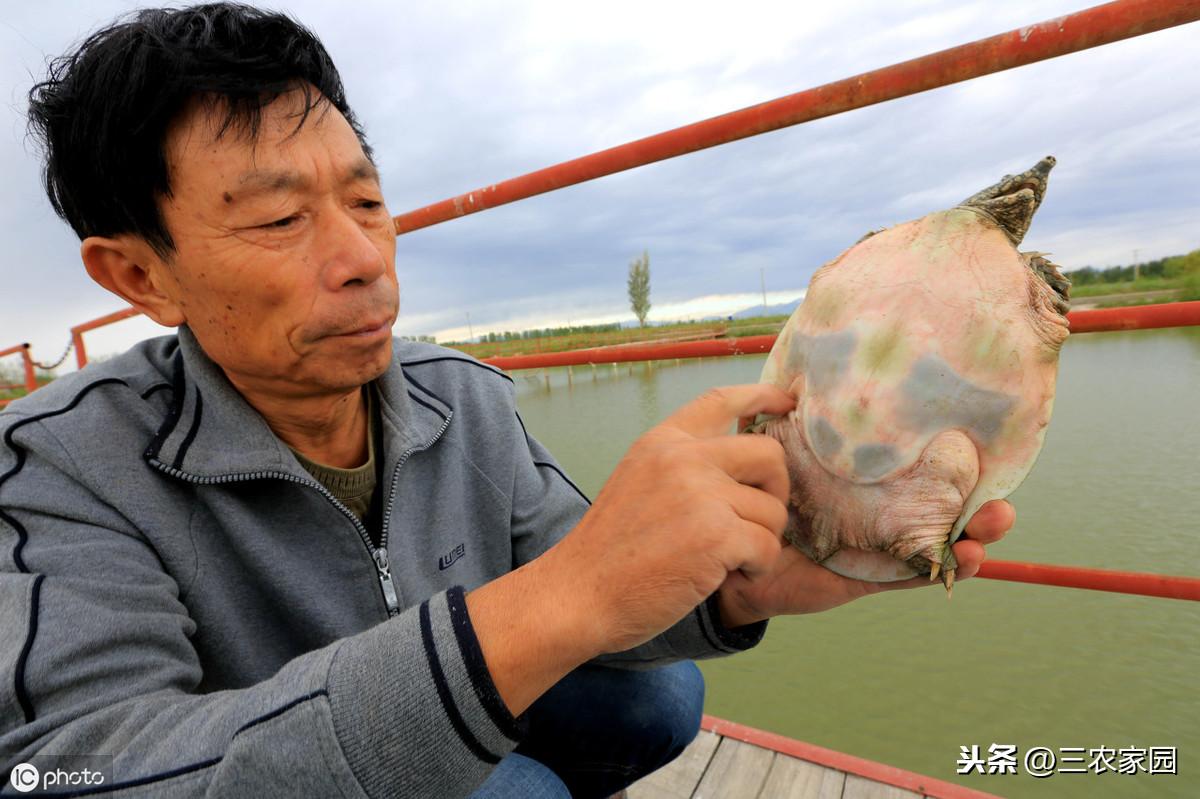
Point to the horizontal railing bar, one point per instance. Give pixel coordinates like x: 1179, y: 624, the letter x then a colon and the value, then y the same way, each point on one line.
x: 1135, y: 317
x: 1120, y: 582
x: 77, y: 332
x: 1082, y: 30
x: 1176, y: 314
x: 622, y: 353
x: 107, y: 319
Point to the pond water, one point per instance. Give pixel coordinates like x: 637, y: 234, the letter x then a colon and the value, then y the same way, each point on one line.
x: 908, y: 678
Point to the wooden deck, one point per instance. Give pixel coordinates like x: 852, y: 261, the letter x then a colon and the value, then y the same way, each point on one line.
x: 730, y: 761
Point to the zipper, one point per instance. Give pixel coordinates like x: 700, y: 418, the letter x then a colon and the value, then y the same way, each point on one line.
x: 378, y: 555
x: 387, y: 507
x: 385, y: 581
x: 389, y: 592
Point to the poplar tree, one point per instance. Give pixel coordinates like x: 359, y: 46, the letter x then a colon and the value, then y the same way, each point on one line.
x: 639, y: 287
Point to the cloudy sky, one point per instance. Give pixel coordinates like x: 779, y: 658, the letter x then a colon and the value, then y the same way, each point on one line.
x: 455, y: 96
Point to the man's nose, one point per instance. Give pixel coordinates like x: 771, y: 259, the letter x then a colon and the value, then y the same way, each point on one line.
x: 349, y: 254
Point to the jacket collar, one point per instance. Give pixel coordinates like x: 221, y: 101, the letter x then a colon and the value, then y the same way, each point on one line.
x: 211, y: 434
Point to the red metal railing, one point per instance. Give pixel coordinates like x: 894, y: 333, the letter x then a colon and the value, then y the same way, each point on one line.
x: 30, y: 385
x: 1119, y: 582
x: 78, y: 331
x: 1092, y: 27
x: 622, y: 353
x: 1176, y: 314
x: 1138, y: 317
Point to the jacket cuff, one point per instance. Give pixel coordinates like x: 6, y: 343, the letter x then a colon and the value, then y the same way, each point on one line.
x: 414, y: 706
x: 729, y: 639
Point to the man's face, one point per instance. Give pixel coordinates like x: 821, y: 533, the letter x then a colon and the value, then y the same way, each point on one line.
x: 284, y: 266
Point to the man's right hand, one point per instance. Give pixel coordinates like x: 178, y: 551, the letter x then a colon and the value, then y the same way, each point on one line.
x: 688, y: 505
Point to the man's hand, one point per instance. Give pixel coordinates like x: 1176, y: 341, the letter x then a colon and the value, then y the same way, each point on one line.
x: 687, y: 506
x: 797, y: 585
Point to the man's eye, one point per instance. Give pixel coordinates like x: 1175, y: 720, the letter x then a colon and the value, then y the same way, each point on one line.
x: 280, y: 223
x: 370, y: 205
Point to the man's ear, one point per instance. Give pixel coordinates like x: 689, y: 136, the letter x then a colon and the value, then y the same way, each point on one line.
x: 130, y: 268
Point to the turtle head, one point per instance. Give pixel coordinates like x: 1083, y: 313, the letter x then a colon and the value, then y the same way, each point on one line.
x: 1012, y: 201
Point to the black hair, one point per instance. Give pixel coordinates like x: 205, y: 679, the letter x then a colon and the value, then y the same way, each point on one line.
x: 103, y: 112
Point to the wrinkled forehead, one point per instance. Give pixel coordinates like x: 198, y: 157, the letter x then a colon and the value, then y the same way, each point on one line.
x: 250, y: 121
x: 216, y: 139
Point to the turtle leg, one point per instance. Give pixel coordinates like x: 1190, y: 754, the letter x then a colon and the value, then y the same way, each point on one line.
x: 937, y: 561
x: 814, y: 536
x: 944, y: 566
x: 928, y: 502
x: 1049, y: 272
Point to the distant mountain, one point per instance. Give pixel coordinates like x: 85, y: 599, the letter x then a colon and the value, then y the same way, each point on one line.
x: 758, y: 310
x: 769, y: 310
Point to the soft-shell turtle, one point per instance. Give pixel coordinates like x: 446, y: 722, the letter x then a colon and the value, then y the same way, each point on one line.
x: 923, y: 360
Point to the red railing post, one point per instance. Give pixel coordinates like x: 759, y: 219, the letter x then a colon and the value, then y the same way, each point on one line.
x: 78, y: 331
x: 80, y: 352
x: 30, y: 381
x: 30, y: 376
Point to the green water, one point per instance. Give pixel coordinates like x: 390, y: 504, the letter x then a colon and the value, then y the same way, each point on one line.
x: 908, y: 678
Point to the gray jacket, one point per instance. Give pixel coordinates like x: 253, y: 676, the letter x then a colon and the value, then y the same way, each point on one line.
x: 176, y: 591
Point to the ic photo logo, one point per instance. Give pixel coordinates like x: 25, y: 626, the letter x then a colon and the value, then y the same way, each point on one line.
x: 59, y: 772
x: 24, y: 777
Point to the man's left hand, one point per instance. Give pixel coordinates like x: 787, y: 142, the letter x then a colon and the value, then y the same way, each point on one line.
x: 797, y: 585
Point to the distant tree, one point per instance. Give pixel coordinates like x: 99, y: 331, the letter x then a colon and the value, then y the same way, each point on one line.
x: 1172, y: 267
x: 1180, y: 265
x: 1082, y: 277
x: 639, y: 287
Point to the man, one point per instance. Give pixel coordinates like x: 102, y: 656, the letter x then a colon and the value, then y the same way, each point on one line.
x: 281, y: 554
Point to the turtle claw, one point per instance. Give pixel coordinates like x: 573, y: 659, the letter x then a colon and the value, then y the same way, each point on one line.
x: 942, y: 563
x: 948, y: 565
